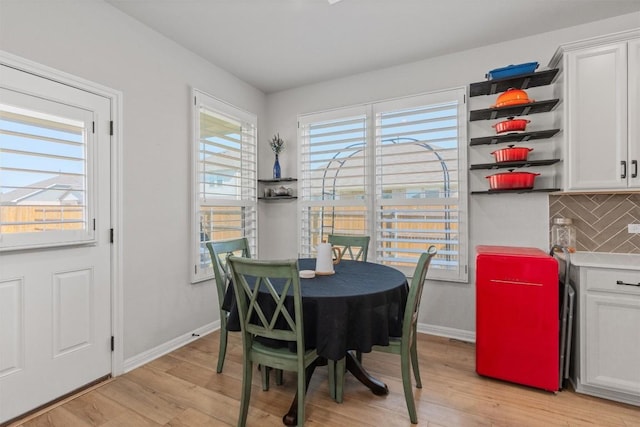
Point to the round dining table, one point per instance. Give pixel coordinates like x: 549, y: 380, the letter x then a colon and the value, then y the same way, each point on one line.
x: 359, y: 306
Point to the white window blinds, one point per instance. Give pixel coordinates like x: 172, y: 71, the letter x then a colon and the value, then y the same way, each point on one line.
x: 417, y: 197
x: 45, y: 153
x: 334, y: 177
x: 227, y: 159
x: 393, y: 170
x: 224, y: 177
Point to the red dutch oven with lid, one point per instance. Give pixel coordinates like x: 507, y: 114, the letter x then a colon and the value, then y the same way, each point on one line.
x: 512, y: 96
x: 512, y: 154
x: 512, y: 180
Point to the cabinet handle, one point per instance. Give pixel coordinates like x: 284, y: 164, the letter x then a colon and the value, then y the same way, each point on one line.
x: 624, y: 169
x: 634, y: 174
x: 620, y: 282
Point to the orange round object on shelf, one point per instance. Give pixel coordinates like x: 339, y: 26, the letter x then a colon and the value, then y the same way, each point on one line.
x: 512, y: 97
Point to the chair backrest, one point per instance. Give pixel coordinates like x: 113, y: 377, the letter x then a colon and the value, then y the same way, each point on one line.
x: 356, y: 247
x: 220, y: 252
x: 415, y: 293
x: 261, y: 288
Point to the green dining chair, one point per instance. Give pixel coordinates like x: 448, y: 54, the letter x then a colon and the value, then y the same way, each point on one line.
x: 219, y: 252
x: 405, y: 346
x: 270, y: 317
x: 356, y: 247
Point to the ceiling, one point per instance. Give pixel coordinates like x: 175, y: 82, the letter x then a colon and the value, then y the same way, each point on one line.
x: 280, y: 44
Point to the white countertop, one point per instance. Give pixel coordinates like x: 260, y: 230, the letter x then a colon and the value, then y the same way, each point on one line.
x: 605, y: 260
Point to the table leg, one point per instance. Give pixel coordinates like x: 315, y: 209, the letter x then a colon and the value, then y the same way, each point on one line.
x: 291, y: 417
x: 375, y: 385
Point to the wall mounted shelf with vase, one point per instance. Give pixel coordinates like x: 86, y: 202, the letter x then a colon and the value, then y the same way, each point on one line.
x: 272, y: 189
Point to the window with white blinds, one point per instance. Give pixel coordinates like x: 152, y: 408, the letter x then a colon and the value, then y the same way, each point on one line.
x: 334, y: 185
x: 396, y: 172
x: 224, y: 178
x: 45, y: 150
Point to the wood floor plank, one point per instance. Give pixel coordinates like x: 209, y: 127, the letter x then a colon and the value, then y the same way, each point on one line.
x: 95, y: 409
x: 192, y: 417
x: 164, y: 363
x: 186, y: 394
x: 60, y: 416
x: 183, y: 389
x: 142, y: 400
x: 131, y: 419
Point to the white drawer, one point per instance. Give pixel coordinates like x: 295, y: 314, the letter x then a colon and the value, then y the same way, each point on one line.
x: 613, y: 280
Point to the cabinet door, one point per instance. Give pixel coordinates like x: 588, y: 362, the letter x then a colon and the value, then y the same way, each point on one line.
x: 634, y: 113
x: 597, y: 118
x: 612, y: 356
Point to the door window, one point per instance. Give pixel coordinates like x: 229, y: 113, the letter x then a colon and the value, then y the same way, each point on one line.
x: 46, y: 172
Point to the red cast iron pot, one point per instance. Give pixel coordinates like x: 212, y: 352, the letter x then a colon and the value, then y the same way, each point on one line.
x: 512, y: 97
x: 512, y: 154
x: 512, y: 180
x: 511, y: 125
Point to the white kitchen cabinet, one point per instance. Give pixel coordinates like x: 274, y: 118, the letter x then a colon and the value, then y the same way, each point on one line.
x: 607, y: 359
x: 601, y: 92
x: 633, y: 124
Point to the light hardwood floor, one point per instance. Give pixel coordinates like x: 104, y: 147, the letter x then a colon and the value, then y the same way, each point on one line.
x: 183, y: 389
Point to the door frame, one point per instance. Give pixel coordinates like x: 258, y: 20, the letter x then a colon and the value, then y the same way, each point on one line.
x: 117, y: 327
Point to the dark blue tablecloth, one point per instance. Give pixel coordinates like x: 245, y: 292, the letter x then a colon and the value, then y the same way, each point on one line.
x: 359, y: 306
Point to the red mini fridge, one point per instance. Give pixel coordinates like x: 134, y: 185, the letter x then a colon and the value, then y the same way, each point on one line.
x: 517, y: 316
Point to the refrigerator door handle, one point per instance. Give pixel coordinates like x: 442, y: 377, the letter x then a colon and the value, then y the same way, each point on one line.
x: 512, y: 282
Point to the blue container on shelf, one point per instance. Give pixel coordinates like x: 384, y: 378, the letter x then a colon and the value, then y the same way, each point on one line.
x: 512, y: 71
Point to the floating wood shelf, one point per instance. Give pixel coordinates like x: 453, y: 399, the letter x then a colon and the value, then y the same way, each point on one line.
x: 514, y: 165
x: 525, y: 81
x: 272, y: 198
x: 513, y: 110
x: 275, y: 181
x: 513, y: 137
x: 518, y: 190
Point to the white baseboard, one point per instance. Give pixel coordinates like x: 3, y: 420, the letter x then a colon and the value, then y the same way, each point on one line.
x: 442, y: 331
x: 169, y: 346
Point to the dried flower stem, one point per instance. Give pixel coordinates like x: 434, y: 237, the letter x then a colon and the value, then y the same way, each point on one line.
x: 277, y: 144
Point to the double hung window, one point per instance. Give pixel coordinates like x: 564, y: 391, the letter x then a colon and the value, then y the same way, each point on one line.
x: 224, y: 179
x: 393, y: 170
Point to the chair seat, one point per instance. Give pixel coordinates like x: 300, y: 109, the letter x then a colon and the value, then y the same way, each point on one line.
x: 279, y: 357
x: 393, y: 347
x: 394, y: 342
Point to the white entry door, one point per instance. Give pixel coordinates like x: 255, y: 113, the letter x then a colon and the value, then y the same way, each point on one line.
x: 55, y: 247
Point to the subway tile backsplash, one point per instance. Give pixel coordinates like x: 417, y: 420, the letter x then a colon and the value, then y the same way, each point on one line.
x: 601, y: 220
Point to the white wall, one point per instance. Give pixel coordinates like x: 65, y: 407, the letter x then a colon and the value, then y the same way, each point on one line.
x: 94, y: 41
x: 515, y: 219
